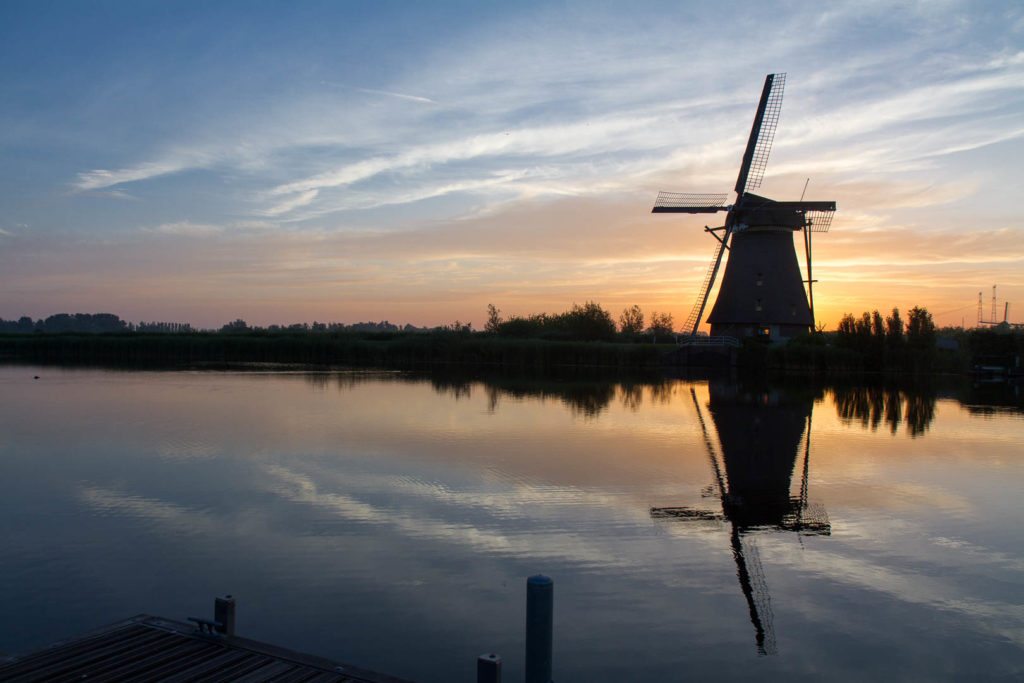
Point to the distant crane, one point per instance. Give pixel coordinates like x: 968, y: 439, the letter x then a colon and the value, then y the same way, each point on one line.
x: 992, y: 320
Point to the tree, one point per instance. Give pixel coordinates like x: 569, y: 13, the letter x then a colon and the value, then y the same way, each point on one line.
x: 589, y: 322
x: 238, y: 325
x: 920, y: 328
x: 661, y: 323
x: 894, y: 327
x: 632, y: 320
x: 877, y: 325
x: 493, y: 319
x: 863, y: 326
x: 847, y: 327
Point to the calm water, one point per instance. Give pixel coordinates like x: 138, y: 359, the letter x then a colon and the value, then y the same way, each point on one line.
x: 693, y: 530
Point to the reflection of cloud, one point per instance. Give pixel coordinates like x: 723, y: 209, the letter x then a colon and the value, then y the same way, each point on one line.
x: 180, y: 518
x: 905, y: 586
x: 514, y: 508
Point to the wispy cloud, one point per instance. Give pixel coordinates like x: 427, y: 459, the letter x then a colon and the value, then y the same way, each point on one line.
x: 186, y: 228
x: 112, y: 194
x: 287, y: 205
x: 374, y: 91
x: 401, y: 96
x: 594, y: 135
x: 101, y: 178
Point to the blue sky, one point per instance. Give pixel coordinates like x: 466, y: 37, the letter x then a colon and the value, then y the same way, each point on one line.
x: 346, y: 161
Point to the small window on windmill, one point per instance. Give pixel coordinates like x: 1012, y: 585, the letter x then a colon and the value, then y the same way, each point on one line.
x: 760, y: 280
x: 757, y: 305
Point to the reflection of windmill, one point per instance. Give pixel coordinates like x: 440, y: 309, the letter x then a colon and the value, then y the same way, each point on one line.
x: 762, y: 288
x: 753, y: 485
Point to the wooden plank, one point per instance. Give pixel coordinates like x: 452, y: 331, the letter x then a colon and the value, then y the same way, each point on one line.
x: 178, y: 651
x: 161, y: 671
x: 273, y: 671
x: 53, y: 665
x: 210, y: 668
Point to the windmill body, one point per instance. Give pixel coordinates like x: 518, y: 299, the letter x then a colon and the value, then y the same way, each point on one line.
x: 762, y: 291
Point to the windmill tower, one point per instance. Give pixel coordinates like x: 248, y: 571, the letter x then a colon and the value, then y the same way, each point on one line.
x: 762, y: 290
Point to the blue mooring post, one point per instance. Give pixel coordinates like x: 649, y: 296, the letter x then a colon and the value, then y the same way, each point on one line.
x: 540, y: 593
x: 488, y: 668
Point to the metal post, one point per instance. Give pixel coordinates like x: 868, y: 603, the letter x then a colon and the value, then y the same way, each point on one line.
x: 224, y: 614
x: 540, y: 592
x: 488, y: 668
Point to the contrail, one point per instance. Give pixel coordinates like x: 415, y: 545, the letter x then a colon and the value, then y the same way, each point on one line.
x: 414, y: 98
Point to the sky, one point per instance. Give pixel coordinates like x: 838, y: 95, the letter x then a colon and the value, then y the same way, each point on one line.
x: 288, y: 162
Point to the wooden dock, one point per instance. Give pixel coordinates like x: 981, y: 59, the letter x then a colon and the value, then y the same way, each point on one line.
x: 147, y: 648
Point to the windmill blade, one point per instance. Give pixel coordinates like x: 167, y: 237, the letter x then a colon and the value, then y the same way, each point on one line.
x: 720, y: 482
x: 751, y: 575
x: 685, y: 202
x: 820, y: 220
x: 693, y: 320
x: 687, y: 514
x: 762, y: 133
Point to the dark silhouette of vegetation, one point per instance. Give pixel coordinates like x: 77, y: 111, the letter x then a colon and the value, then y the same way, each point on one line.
x: 661, y: 324
x: 67, y: 322
x: 584, y: 336
x: 920, y: 329
x: 493, y: 319
x: 874, y: 343
x: 168, y: 328
x: 588, y: 322
x: 631, y: 321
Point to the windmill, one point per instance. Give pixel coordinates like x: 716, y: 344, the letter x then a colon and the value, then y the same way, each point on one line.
x: 762, y: 288
x: 752, y: 484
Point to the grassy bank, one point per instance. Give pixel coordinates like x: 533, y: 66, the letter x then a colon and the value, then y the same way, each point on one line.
x: 817, y: 355
x: 386, y: 350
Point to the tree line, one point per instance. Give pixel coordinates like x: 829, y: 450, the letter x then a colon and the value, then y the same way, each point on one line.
x: 586, y: 322
x: 67, y: 322
x: 874, y: 334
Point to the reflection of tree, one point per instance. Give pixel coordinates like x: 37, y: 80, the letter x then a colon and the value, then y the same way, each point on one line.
x: 449, y: 386
x: 920, y: 412
x: 661, y: 393
x: 588, y: 399
x: 874, y: 404
x: 632, y: 396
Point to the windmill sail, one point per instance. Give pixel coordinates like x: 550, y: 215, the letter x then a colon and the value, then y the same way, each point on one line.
x: 693, y: 320
x: 820, y: 220
x: 762, y: 133
x: 686, y: 202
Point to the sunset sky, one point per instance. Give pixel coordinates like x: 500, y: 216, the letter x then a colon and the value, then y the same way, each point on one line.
x: 345, y: 161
